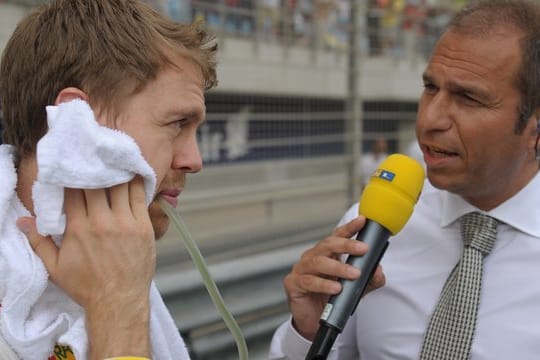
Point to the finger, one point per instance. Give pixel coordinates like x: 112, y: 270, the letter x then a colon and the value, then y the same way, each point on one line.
x: 312, y: 284
x: 378, y: 279
x: 334, y: 247
x: 74, y: 203
x: 325, y: 266
x: 43, y: 246
x: 351, y: 228
x: 96, y: 201
x: 120, y: 198
x: 137, y: 198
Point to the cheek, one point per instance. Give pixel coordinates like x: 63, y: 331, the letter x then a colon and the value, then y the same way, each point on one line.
x: 159, y: 157
x: 161, y: 172
x: 487, y: 150
x: 162, y: 166
x: 154, y: 143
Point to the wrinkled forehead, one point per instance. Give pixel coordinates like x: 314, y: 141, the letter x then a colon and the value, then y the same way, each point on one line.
x: 499, y: 52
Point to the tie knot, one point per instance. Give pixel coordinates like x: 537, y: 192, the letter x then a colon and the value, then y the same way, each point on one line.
x: 479, y: 231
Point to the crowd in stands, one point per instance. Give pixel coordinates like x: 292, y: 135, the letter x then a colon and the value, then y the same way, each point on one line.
x: 386, y: 26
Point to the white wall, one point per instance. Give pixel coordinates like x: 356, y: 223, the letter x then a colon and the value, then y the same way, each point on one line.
x: 245, y: 65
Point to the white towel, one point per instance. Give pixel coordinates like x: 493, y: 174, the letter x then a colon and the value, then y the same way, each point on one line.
x: 6, y: 353
x: 78, y: 153
x: 35, y: 314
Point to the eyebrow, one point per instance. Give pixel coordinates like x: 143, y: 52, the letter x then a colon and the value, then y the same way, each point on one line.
x: 426, y: 77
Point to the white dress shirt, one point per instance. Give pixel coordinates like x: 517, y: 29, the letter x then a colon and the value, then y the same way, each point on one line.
x: 390, y: 322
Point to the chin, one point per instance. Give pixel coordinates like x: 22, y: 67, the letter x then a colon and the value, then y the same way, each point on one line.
x: 447, y: 184
x: 160, y: 220
x: 439, y: 180
x: 160, y: 227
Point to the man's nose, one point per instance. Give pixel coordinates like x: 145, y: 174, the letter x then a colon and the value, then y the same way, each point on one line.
x: 435, y: 113
x: 187, y: 156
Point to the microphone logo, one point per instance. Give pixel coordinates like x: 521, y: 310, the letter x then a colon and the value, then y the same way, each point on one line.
x: 384, y: 174
x: 327, y: 311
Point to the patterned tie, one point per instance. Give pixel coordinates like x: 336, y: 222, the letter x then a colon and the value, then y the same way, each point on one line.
x: 451, y: 329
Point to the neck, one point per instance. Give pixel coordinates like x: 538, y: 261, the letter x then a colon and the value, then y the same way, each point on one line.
x: 489, y: 201
x: 26, y: 175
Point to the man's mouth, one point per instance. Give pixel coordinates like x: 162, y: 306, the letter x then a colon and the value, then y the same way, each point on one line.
x: 436, y: 152
x: 170, y: 196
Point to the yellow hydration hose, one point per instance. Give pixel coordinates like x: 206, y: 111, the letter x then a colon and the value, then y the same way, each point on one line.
x: 210, y: 285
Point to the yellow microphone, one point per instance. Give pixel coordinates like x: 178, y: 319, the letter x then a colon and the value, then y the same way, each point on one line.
x: 392, y: 192
x: 387, y: 202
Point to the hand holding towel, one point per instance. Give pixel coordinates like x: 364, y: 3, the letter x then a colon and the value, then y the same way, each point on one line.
x: 79, y: 153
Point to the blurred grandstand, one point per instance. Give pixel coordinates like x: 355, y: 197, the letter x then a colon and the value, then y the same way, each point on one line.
x: 282, y: 141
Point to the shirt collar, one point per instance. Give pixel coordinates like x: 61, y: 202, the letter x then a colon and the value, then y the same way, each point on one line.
x: 520, y: 211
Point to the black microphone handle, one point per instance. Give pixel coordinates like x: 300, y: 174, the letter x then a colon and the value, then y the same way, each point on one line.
x: 341, y: 306
x: 323, y: 342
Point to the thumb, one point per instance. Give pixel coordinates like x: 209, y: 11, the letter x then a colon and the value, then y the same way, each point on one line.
x: 43, y: 246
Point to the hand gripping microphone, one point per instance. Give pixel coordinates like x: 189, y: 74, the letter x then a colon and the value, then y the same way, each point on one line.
x: 387, y: 203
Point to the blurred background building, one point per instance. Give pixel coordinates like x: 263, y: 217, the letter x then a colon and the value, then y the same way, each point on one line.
x: 305, y: 88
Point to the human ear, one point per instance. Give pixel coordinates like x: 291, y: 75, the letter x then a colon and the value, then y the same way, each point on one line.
x: 70, y: 93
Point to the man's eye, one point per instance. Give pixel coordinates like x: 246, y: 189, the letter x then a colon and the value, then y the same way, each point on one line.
x: 178, y: 124
x: 469, y: 100
x: 429, y: 88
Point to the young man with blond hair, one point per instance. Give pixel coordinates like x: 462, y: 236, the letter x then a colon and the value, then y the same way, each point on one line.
x: 139, y: 73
